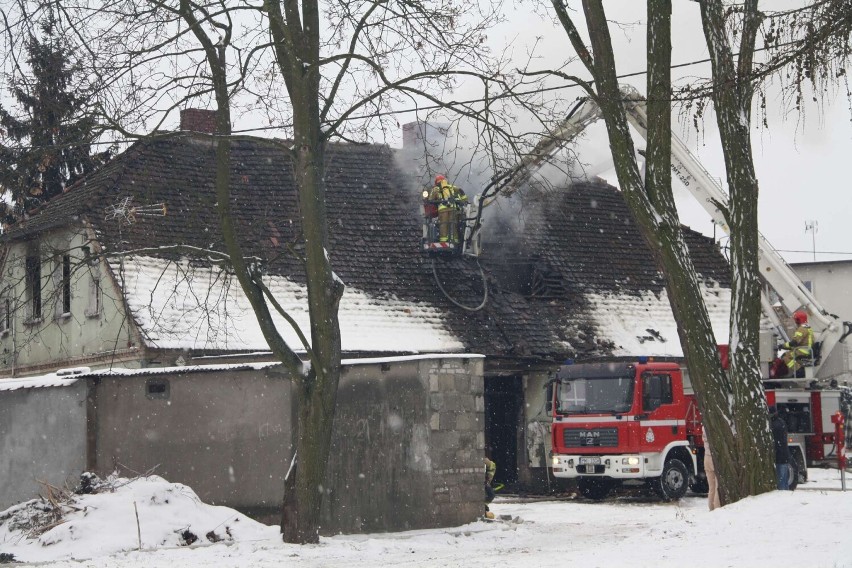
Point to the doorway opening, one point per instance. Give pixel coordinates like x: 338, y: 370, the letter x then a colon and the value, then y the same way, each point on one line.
x: 503, y: 414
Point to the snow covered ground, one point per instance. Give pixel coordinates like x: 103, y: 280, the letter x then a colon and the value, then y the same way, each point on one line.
x: 805, y: 528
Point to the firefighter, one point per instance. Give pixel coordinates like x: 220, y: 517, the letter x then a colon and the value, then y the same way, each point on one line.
x: 799, y: 347
x: 490, y: 470
x: 450, y: 200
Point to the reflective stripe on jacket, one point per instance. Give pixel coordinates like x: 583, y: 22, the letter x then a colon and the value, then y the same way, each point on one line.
x: 447, y: 196
x: 802, y: 342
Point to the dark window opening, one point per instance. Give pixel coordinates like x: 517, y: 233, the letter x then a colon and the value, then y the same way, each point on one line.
x: 33, y: 278
x: 157, y: 388
x: 66, y: 284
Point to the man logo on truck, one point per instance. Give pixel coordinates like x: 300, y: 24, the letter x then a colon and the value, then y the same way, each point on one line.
x: 589, y: 437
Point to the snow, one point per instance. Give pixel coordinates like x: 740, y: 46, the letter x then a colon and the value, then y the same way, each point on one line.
x: 802, y: 528
x: 182, y: 306
x: 644, y: 324
x: 49, y: 380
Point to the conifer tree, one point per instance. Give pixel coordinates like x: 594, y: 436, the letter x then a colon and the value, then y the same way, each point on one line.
x: 45, y: 146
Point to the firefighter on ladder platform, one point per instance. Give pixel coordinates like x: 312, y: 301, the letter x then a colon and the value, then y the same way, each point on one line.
x: 449, y: 200
x: 799, y: 349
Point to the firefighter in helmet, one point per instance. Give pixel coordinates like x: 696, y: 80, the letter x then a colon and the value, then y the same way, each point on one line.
x: 800, y: 347
x: 450, y: 200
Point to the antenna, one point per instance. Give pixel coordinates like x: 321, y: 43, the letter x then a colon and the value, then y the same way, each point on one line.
x: 127, y: 213
x: 812, y: 226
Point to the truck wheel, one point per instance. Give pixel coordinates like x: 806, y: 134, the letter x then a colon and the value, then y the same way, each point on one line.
x: 594, y: 487
x: 801, y: 470
x: 793, y: 474
x: 674, y: 482
x: 798, y: 469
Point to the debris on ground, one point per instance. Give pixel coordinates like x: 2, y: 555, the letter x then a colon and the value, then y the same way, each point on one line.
x: 115, y: 514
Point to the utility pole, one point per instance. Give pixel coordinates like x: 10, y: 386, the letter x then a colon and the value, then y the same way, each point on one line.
x: 812, y: 226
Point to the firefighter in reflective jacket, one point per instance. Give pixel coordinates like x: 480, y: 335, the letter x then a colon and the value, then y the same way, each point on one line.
x: 799, y: 347
x: 490, y: 471
x: 450, y: 200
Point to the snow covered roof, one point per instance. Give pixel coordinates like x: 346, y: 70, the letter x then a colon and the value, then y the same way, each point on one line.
x: 575, y: 280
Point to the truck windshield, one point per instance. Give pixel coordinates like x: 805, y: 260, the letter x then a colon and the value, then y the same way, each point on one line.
x: 600, y: 394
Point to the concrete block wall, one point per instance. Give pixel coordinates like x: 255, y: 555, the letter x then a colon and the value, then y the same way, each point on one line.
x: 456, y: 423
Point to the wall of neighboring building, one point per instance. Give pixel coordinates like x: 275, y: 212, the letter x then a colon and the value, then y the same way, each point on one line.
x: 830, y: 283
x: 42, y: 438
x: 80, y: 319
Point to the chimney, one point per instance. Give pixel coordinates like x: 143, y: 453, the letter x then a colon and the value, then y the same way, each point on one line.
x: 198, y: 120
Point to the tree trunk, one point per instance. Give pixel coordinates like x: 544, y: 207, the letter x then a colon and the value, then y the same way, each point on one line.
x: 747, y: 468
x: 317, y: 393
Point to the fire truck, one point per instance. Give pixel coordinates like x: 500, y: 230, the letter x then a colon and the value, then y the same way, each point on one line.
x: 637, y: 422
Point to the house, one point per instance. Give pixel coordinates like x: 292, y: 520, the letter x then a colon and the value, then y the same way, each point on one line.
x: 117, y: 273
x: 829, y: 282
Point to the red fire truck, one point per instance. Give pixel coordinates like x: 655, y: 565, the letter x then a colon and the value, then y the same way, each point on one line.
x: 638, y: 423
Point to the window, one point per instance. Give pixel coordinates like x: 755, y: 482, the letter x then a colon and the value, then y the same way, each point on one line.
x: 33, y: 277
x: 66, y: 284
x: 62, y: 285
x: 94, y: 308
x: 5, y: 316
x: 157, y: 388
x: 656, y: 391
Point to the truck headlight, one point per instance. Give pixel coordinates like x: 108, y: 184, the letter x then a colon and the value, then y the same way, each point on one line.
x: 554, y: 460
x: 630, y: 461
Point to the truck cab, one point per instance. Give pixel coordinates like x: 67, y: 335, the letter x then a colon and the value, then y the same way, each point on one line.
x: 632, y: 422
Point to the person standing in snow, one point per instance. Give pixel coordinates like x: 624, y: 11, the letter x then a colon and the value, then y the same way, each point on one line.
x: 710, y: 471
x: 782, y: 451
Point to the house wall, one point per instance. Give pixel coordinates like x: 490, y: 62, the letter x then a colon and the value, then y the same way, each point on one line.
x: 533, y: 467
x: 42, y: 438
x: 407, y: 441
x: 225, y: 434
x: 90, y: 333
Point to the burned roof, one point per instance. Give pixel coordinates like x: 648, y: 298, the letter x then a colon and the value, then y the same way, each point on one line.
x: 578, y: 251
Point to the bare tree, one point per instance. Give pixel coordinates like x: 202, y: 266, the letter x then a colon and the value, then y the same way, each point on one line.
x: 318, y: 70
x: 652, y: 203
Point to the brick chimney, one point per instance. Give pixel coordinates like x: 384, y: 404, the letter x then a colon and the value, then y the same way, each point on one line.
x: 198, y: 120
